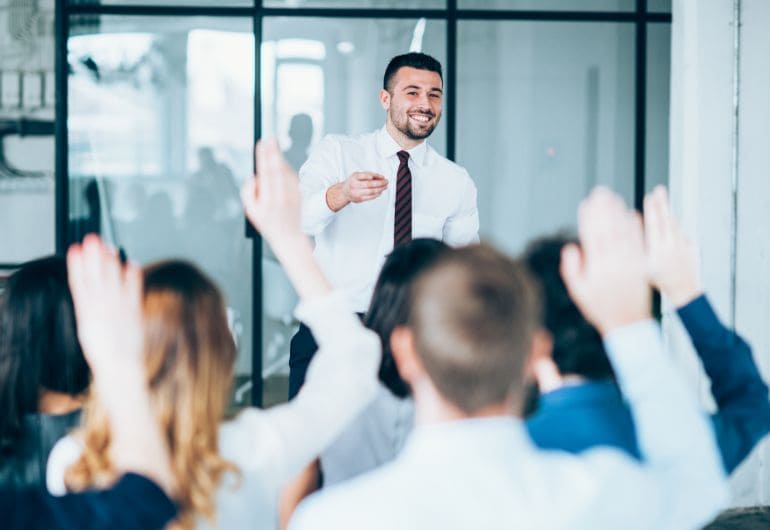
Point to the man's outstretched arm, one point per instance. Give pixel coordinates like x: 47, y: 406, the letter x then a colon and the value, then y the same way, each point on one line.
x: 743, y: 415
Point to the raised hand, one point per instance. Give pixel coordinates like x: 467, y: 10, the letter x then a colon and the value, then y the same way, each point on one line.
x: 272, y: 199
x: 108, y: 308
x: 107, y: 297
x: 672, y: 257
x: 272, y: 203
x: 606, y: 276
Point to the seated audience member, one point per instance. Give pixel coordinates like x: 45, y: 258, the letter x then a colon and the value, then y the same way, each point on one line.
x: 469, y: 463
x: 43, y: 374
x: 379, y: 432
x: 376, y: 436
x: 230, y: 476
x: 580, y: 405
x: 107, y: 302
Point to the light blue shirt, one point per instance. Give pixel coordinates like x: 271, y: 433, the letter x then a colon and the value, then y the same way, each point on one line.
x: 487, y: 474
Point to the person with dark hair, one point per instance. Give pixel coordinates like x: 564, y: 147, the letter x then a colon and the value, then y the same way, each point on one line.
x: 107, y: 302
x: 379, y: 432
x: 474, y: 321
x: 43, y: 374
x: 365, y: 195
x: 376, y: 436
x: 580, y: 405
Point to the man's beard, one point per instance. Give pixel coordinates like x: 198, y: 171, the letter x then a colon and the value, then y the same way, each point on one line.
x: 411, y: 131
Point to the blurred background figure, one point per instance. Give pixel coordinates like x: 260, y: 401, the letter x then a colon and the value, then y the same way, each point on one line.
x: 301, y: 134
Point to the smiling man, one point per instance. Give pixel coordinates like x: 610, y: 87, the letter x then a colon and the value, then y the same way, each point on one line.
x: 363, y: 195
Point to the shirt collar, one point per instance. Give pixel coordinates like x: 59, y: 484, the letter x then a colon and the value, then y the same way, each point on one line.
x: 493, y: 435
x: 387, y: 147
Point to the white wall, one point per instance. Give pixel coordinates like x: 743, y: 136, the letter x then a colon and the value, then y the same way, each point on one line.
x: 703, y: 119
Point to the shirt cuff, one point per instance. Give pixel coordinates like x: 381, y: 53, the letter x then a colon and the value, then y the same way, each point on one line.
x: 631, y: 348
x: 699, y: 317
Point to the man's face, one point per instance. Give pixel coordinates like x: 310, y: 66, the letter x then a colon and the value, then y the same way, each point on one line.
x: 414, y: 102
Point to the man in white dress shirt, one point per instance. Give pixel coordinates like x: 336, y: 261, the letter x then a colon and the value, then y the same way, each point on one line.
x: 364, y: 194
x: 469, y: 463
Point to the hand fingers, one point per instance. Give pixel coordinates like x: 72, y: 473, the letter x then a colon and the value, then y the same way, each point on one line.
x: 653, y: 230
x: 249, y: 196
x: 75, y: 275
x: 600, y: 218
x: 571, y: 269
x: 368, y: 175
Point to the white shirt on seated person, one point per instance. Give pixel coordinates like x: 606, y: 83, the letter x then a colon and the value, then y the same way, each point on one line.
x: 270, y: 447
x: 486, y: 473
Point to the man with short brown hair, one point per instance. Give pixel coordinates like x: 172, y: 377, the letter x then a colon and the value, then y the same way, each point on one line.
x: 470, y: 463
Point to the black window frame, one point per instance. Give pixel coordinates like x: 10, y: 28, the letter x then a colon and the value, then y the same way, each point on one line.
x: 640, y: 17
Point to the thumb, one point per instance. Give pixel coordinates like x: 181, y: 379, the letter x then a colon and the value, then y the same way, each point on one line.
x: 571, y: 269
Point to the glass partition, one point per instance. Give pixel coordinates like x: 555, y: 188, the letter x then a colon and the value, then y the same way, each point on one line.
x: 320, y: 76
x: 545, y: 112
x: 160, y: 137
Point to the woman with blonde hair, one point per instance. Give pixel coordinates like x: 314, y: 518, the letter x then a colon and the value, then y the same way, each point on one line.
x: 229, y: 475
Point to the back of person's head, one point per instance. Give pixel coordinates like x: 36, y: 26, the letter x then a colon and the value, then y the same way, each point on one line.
x: 390, y: 302
x: 577, y: 346
x: 474, y: 313
x: 420, y: 61
x: 190, y: 355
x: 39, y: 348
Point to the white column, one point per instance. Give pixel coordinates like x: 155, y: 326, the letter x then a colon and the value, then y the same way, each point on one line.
x: 703, y: 121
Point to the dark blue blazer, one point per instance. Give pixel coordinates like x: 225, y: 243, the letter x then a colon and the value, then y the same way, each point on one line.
x: 579, y: 417
x: 134, y: 503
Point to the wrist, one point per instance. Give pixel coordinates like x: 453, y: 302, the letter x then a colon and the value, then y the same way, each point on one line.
x: 680, y: 298
x: 337, y: 197
x: 618, y: 321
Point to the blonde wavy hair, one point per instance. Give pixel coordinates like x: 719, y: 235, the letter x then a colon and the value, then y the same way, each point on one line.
x: 190, y: 355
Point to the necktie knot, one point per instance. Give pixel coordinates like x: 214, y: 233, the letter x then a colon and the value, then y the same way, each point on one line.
x: 403, y: 156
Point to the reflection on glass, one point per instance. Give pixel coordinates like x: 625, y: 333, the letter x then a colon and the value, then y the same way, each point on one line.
x: 217, y: 3
x: 658, y: 95
x: 659, y: 6
x: 545, y: 111
x: 160, y: 135
x: 360, y: 4
x: 320, y: 76
x: 549, y: 5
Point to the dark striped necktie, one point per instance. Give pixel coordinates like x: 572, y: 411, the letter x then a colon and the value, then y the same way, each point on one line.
x: 402, y: 227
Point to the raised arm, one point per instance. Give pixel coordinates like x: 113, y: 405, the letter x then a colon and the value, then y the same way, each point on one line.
x: 342, y: 378
x: 133, y: 503
x: 682, y: 484
x: 108, y: 308
x: 743, y: 415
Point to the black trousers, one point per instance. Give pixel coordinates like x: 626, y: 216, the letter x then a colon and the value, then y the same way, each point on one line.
x: 301, y: 351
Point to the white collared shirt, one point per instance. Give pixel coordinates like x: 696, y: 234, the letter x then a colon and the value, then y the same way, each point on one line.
x: 351, y: 245
x: 270, y: 447
x: 487, y: 473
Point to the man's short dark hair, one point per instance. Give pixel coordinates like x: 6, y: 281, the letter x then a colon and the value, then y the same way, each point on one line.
x: 390, y: 302
x: 421, y: 61
x: 474, y: 313
x: 577, y: 346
